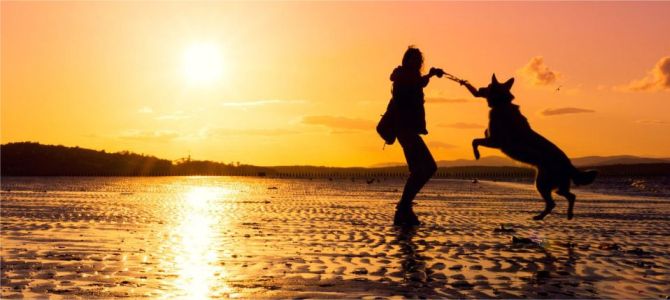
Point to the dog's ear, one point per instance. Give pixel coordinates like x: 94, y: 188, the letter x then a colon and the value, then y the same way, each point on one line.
x: 494, y: 80
x: 508, y: 84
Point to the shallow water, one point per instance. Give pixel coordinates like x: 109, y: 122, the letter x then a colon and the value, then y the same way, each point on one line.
x: 207, y: 237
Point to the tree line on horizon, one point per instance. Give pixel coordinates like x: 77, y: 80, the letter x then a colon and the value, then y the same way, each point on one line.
x: 35, y: 159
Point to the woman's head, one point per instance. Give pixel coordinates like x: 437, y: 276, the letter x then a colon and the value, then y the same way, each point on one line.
x: 413, y: 59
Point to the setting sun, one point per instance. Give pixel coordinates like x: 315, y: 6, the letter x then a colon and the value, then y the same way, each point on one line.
x: 334, y: 149
x: 202, y: 63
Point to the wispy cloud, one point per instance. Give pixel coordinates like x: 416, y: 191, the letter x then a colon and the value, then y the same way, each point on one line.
x: 440, y: 145
x: 178, y: 115
x: 336, y: 122
x: 565, y: 111
x: 161, y: 136
x: 440, y: 100
x: 537, y: 73
x: 252, y: 103
x: 461, y: 125
x: 145, y: 110
x: 657, y: 79
x: 252, y: 131
x: 652, y: 122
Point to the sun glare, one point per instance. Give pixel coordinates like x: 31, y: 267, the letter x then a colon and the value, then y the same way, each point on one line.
x: 203, y: 64
x: 197, y: 262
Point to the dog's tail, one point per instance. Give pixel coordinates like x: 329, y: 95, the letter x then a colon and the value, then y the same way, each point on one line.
x: 584, y: 177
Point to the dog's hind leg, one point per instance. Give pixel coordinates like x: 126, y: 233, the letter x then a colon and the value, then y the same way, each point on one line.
x: 564, y: 190
x: 544, y: 187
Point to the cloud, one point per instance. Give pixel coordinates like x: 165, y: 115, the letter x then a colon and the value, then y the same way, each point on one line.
x: 344, y: 131
x: 339, y: 123
x: 657, y: 79
x: 565, y: 111
x: 440, y: 145
x: 439, y: 100
x: 251, y: 103
x: 178, y: 115
x: 652, y: 122
x: 145, y: 110
x: 462, y: 125
x: 161, y: 136
x: 537, y: 73
x: 252, y: 131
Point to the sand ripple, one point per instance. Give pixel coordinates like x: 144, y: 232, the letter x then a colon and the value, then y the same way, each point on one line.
x: 234, y: 237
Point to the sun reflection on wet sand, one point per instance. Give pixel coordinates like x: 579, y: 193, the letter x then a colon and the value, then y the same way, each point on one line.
x: 197, y: 264
x: 234, y: 237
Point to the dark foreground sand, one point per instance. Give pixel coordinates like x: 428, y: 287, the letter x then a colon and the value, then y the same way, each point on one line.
x: 254, y: 238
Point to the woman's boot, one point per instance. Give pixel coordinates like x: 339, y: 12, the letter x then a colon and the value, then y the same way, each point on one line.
x: 405, y: 216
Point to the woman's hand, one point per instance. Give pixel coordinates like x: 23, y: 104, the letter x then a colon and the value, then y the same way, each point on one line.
x: 436, y: 72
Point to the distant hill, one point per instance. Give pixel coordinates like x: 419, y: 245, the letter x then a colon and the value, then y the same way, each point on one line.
x: 34, y: 159
x: 616, y: 160
x: 499, y: 161
x: 43, y: 160
x: 488, y: 161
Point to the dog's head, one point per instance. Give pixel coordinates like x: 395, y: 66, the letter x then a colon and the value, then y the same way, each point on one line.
x: 498, y: 93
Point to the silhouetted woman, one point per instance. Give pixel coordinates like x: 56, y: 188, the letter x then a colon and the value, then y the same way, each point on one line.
x: 410, y: 123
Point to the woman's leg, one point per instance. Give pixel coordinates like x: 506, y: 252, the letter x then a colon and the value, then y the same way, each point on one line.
x: 421, y: 167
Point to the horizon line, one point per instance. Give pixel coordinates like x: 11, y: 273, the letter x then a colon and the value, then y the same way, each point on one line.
x: 375, y: 165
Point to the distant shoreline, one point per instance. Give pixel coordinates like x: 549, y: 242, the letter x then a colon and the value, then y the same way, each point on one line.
x: 34, y: 159
x: 636, y: 186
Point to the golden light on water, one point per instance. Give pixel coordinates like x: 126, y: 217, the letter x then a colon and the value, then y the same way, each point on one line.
x: 197, y: 264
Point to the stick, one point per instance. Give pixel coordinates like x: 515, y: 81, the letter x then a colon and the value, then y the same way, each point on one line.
x: 452, y: 77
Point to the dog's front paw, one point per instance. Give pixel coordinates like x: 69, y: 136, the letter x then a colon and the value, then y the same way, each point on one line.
x: 475, y: 148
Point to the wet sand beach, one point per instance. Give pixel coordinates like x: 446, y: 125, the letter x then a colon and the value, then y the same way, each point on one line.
x: 234, y: 237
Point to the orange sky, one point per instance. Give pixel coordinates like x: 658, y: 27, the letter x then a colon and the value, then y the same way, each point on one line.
x: 304, y: 83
